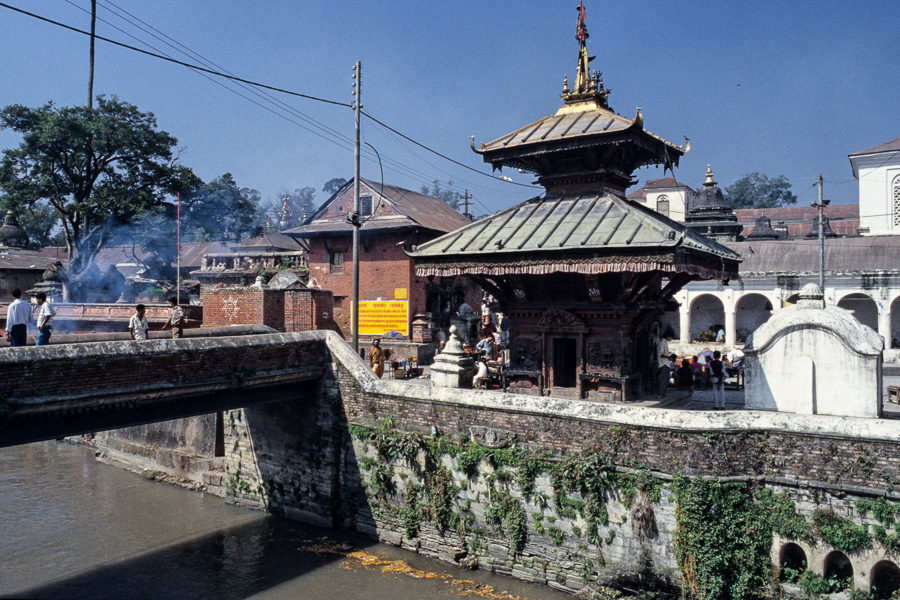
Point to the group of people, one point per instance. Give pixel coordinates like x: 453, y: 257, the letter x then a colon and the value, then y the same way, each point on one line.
x: 20, y: 314
x: 709, y: 368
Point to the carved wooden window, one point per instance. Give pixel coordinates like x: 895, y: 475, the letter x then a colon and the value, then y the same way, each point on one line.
x: 337, y: 261
x: 895, y: 191
x: 662, y: 206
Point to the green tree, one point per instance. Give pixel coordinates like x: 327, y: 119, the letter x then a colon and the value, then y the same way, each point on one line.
x: 96, y: 167
x: 220, y: 211
x: 333, y: 185
x: 759, y: 191
x: 450, y: 197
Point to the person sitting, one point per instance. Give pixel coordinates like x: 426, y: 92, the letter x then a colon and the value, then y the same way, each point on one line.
x: 699, y: 375
x: 482, y: 376
x: 736, y: 358
x: 486, y: 346
x: 720, y: 336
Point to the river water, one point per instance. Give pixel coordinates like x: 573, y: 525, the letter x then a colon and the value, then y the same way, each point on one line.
x: 73, y: 528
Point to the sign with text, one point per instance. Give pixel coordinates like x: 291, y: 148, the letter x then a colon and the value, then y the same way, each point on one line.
x: 378, y: 318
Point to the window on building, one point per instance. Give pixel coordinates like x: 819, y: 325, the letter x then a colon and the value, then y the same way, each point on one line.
x: 895, y: 190
x: 365, y: 206
x: 662, y: 206
x: 337, y: 261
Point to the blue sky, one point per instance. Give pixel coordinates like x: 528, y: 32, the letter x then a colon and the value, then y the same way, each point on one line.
x: 777, y: 87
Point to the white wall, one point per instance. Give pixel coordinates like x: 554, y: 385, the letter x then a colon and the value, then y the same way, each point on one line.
x: 877, y: 173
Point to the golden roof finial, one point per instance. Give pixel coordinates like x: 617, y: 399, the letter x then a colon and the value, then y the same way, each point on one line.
x: 565, y: 85
x: 709, y: 176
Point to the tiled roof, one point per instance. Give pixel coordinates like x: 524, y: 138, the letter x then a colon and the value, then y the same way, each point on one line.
x: 891, y: 146
x: 26, y: 260
x: 857, y: 254
x: 844, y: 218
x: 417, y: 210
x: 277, y: 241
x: 665, y: 182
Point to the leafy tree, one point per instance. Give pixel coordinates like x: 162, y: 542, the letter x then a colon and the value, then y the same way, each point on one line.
x: 759, y: 191
x: 220, y: 211
x: 333, y: 185
x: 446, y: 194
x: 96, y: 167
x: 40, y: 221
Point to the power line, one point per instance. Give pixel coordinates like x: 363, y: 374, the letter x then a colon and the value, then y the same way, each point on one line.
x: 174, y: 60
x: 445, y: 157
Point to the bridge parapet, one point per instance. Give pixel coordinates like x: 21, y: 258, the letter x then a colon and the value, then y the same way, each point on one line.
x: 49, y: 391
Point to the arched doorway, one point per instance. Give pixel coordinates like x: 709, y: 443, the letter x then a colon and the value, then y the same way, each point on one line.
x: 884, y: 579
x: 707, y: 312
x: 752, y: 310
x: 863, y: 308
x: 895, y: 325
x: 792, y: 562
x: 839, y: 568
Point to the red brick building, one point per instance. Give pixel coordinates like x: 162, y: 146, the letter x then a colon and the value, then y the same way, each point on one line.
x: 393, y: 219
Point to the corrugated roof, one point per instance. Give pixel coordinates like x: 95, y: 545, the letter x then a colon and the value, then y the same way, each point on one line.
x: 859, y: 254
x: 417, y: 210
x: 278, y: 241
x: 891, y: 146
x: 665, y: 182
x: 570, y: 224
x: 25, y: 260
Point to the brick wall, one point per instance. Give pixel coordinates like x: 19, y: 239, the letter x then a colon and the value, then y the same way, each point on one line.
x: 285, y: 310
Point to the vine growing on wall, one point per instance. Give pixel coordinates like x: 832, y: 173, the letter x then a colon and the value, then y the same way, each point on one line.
x: 723, y: 535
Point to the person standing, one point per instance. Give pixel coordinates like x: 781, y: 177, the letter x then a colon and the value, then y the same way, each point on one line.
x: 717, y: 377
x: 138, y: 325
x: 665, y: 371
x: 176, y: 320
x: 376, y: 358
x: 45, y: 313
x: 18, y: 315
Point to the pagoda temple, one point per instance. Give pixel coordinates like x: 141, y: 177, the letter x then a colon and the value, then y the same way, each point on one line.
x: 582, y: 272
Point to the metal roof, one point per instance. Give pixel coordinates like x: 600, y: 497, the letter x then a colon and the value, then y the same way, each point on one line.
x: 579, y: 227
x: 587, y: 121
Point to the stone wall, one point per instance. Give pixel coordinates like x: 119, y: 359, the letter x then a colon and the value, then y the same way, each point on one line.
x: 413, y: 465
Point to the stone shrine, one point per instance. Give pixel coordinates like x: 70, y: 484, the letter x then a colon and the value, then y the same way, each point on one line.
x: 814, y: 358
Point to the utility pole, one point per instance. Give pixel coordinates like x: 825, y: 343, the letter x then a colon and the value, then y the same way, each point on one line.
x: 354, y: 217
x: 821, y: 204
x: 466, y: 204
x: 90, y: 103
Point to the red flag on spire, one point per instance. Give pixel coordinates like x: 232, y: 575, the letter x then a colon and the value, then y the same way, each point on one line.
x: 581, y: 32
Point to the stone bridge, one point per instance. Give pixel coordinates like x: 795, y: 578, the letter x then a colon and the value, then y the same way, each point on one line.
x: 69, y: 389
x: 477, y: 477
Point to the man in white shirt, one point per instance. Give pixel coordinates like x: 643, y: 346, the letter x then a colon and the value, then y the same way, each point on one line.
x: 663, y: 360
x: 18, y: 315
x: 45, y: 313
x: 138, y: 325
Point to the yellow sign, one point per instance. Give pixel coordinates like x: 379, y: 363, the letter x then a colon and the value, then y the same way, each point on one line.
x: 378, y: 318
x: 400, y: 293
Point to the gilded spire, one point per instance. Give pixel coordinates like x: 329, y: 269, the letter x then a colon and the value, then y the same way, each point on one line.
x: 709, y: 176
x: 588, y: 84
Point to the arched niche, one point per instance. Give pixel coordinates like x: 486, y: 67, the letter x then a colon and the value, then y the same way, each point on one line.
x: 707, y: 311
x: 751, y: 311
x: 791, y: 561
x: 884, y: 579
x: 863, y: 308
x: 894, y: 342
x: 838, y: 566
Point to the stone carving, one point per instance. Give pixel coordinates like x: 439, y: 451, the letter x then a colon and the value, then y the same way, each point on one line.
x: 601, y: 355
x: 526, y: 353
x: 556, y: 318
x: 490, y: 437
